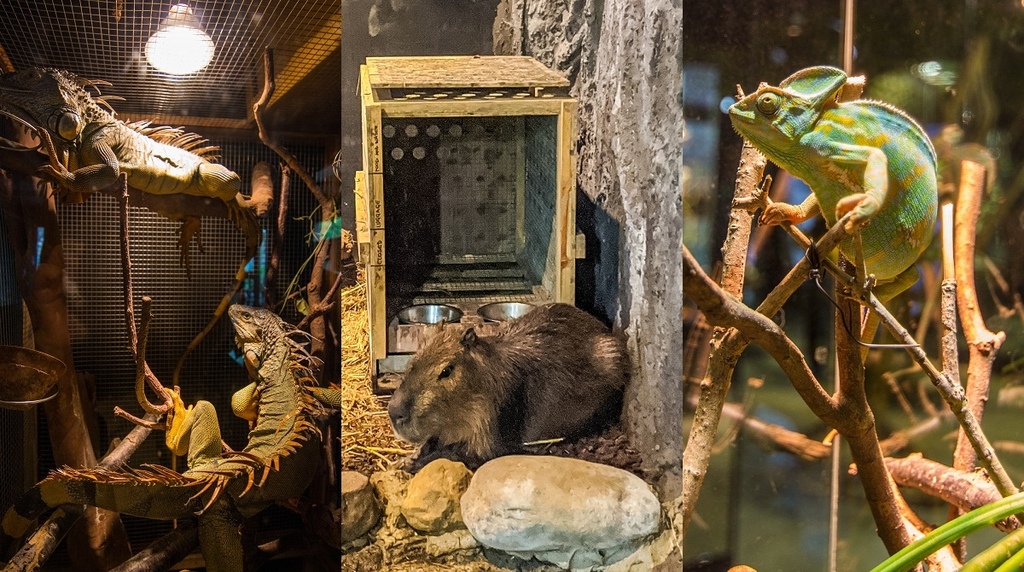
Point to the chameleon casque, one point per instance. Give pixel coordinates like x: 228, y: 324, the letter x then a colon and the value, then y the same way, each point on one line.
x: 284, y: 408
x: 93, y: 148
x: 861, y: 156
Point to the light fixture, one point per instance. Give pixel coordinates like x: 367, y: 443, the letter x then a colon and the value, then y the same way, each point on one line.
x: 179, y: 46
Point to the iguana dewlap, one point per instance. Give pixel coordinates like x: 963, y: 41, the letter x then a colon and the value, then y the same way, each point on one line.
x: 861, y: 156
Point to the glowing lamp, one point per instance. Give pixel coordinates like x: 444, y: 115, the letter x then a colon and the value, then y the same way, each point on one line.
x: 179, y: 46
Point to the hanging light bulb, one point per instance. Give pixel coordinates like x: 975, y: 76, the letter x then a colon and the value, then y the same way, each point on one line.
x: 179, y: 46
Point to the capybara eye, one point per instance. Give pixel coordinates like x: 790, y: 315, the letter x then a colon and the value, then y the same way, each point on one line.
x: 446, y: 371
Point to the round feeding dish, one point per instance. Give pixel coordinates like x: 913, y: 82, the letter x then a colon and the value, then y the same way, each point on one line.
x: 429, y: 314
x: 27, y: 377
x: 502, y: 311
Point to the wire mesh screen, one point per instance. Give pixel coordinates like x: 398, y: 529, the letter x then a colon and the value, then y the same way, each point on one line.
x: 539, y: 252
x: 106, y: 39
x: 181, y: 307
x: 469, y: 208
x: 12, y: 423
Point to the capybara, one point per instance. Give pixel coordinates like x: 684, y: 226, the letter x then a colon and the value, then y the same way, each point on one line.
x: 555, y: 372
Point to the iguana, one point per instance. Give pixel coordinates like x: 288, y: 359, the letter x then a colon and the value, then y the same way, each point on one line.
x: 861, y: 156
x: 279, y: 461
x: 89, y: 148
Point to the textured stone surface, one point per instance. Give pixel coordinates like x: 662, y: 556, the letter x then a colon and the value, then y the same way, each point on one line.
x: 624, y: 58
x: 431, y: 502
x: 360, y: 510
x: 572, y: 513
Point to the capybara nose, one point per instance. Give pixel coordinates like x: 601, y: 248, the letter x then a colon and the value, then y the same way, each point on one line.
x: 397, y: 411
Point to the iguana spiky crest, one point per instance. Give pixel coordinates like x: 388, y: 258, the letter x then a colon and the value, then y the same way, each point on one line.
x: 278, y: 462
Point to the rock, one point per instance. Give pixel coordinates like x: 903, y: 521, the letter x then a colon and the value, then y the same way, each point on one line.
x: 360, y: 510
x: 572, y: 513
x: 431, y: 502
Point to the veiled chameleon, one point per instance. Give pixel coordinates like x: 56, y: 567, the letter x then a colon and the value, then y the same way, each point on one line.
x: 861, y: 156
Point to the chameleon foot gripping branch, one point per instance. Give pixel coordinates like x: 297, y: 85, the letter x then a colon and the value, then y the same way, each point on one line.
x: 278, y: 462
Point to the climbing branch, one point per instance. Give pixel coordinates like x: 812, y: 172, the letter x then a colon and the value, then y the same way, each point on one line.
x: 274, y: 266
x: 129, y: 314
x: 726, y: 347
x: 983, y: 344
x: 40, y: 546
x: 949, y: 389
x: 967, y: 490
x: 314, y: 291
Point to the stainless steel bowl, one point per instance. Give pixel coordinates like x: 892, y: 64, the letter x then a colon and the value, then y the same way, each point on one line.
x: 429, y: 314
x: 502, y: 311
x: 27, y: 377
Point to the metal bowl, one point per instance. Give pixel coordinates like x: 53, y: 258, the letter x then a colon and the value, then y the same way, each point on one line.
x: 429, y: 314
x: 502, y: 311
x: 27, y: 377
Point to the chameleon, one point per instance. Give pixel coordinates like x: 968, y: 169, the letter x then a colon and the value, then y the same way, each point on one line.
x: 284, y: 408
x: 89, y: 148
x: 862, y: 157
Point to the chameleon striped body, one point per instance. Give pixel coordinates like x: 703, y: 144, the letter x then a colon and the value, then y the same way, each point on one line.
x: 861, y: 156
x: 278, y: 463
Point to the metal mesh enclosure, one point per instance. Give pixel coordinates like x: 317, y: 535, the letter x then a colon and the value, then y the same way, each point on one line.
x: 14, y: 442
x: 465, y: 218
x: 106, y: 39
x: 181, y: 307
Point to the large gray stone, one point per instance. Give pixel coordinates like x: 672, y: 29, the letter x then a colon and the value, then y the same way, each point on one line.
x: 431, y: 502
x: 572, y: 513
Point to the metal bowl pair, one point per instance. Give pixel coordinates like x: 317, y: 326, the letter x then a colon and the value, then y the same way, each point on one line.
x: 504, y: 311
x: 429, y: 314
x: 27, y: 377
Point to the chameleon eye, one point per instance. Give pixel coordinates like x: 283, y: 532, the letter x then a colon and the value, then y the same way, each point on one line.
x: 768, y: 104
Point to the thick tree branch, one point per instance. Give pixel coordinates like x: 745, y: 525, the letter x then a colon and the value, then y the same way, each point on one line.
x: 982, y: 343
x: 857, y: 425
x: 727, y: 346
x: 967, y: 490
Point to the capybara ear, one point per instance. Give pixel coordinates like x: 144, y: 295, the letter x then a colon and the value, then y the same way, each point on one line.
x: 469, y: 338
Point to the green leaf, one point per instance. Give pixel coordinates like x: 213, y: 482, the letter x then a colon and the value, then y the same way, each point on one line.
x: 955, y: 529
x: 302, y: 306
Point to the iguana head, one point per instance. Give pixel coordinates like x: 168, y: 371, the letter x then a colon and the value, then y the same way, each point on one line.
x: 51, y: 99
x: 254, y: 325
x: 773, y: 118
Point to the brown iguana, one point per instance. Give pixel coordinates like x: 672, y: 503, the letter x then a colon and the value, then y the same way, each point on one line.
x: 89, y: 148
x: 278, y: 463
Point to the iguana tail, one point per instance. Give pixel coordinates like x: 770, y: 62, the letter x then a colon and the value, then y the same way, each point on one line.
x: 153, y: 492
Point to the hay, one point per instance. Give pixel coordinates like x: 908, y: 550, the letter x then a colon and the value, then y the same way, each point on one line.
x: 367, y: 440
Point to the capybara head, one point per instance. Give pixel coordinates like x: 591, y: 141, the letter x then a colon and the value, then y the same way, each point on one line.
x: 444, y: 394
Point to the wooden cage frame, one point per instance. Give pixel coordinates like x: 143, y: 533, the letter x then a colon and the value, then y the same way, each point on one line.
x: 420, y: 87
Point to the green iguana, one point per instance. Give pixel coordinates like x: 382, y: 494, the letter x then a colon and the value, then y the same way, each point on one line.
x: 861, y: 156
x: 89, y: 148
x: 278, y: 463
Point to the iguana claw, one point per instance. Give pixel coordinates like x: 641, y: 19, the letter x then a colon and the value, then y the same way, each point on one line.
x: 190, y: 229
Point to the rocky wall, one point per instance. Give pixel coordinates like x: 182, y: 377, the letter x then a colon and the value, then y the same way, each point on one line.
x: 624, y: 58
